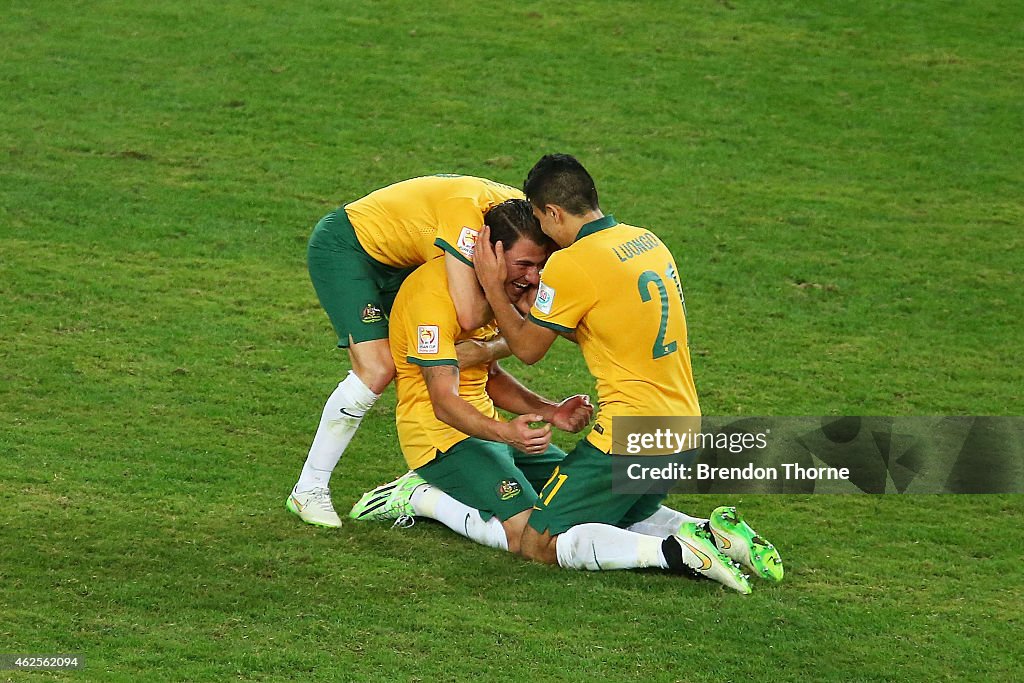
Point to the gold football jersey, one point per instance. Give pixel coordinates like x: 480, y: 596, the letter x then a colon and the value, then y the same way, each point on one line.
x: 618, y: 288
x: 423, y: 332
x: 412, y: 221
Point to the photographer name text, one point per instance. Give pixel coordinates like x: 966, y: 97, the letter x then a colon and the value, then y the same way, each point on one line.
x: 788, y: 471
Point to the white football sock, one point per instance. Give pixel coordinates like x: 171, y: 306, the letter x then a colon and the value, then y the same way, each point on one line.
x: 430, y: 501
x: 602, y: 546
x: 664, y: 523
x: 342, y: 414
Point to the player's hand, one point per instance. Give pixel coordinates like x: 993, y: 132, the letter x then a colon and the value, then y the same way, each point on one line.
x: 573, y: 414
x: 489, y: 262
x: 521, y: 436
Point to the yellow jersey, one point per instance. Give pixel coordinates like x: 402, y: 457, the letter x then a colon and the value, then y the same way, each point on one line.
x: 408, y: 223
x: 423, y: 332
x: 618, y: 287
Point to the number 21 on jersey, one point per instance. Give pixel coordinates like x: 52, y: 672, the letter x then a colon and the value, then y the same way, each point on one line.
x: 647, y: 278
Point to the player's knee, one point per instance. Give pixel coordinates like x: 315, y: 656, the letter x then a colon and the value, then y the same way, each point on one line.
x: 538, y: 547
x: 514, y: 528
x: 381, y: 377
x: 372, y: 363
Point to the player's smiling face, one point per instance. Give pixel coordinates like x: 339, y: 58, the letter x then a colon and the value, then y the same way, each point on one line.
x: 523, y: 262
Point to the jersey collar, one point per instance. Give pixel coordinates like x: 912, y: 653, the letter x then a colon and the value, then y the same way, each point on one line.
x: 594, y: 226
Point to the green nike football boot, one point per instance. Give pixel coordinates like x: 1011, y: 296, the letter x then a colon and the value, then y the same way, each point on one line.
x: 739, y: 542
x: 700, y: 557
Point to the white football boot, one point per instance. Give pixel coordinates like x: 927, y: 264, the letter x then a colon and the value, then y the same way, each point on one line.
x: 314, y: 507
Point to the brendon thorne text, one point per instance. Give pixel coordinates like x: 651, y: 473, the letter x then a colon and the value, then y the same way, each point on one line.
x: 789, y: 471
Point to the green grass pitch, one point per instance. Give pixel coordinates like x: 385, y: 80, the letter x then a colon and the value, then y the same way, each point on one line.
x: 841, y: 184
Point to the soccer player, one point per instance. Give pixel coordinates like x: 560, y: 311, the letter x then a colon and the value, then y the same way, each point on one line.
x: 472, y: 471
x: 358, y: 256
x: 605, y: 274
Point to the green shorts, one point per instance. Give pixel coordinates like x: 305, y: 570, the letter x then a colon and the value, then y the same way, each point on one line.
x: 580, y: 491
x: 356, y: 291
x: 496, y: 479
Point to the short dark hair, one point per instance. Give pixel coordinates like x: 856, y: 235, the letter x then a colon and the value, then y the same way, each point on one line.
x: 512, y: 219
x: 560, y: 179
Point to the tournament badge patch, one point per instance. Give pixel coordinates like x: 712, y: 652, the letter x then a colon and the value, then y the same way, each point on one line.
x: 509, y: 489
x: 426, y: 339
x: 467, y: 242
x: 372, y: 314
x: 545, y: 297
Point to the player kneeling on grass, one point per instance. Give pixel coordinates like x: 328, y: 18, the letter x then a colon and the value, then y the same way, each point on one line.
x: 447, y: 427
x: 607, y: 273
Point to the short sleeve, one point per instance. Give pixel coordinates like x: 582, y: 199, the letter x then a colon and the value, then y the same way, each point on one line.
x: 431, y: 331
x: 564, y: 296
x: 459, y: 223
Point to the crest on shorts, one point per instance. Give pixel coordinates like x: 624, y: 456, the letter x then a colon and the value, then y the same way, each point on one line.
x: 372, y: 314
x: 509, y: 489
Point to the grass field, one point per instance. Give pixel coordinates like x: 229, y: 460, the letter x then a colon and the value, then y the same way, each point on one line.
x: 840, y: 186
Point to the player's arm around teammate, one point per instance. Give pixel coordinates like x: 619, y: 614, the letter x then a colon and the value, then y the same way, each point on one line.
x: 471, y: 306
